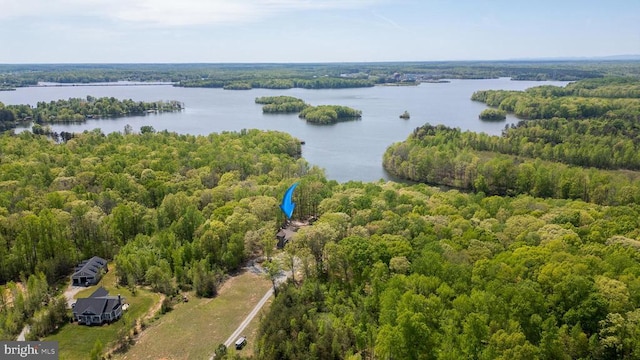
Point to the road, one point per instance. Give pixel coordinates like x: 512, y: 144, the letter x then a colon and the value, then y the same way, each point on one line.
x: 256, y: 268
x: 23, y: 333
x: 247, y: 320
x: 240, y: 329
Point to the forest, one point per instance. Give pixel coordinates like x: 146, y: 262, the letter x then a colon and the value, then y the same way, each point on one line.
x: 329, y: 114
x: 281, y: 104
x: 592, y: 154
x: 287, y: 83
x: 321, y: 114
x: 493, y: 115
x: 79, y: 110
x: 527, y: 264
x: 172, y: 211
x: 311, y: 76
x: 532, y: 252
x: 414, y: 272
x: 388, y: 271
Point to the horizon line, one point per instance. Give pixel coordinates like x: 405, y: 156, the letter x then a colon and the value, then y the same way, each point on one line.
x: 624, y: 57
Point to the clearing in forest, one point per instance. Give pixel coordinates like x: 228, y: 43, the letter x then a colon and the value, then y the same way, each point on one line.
x: 194, y: 329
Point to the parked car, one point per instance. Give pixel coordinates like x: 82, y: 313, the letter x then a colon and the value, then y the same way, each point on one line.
x: 241, y: 342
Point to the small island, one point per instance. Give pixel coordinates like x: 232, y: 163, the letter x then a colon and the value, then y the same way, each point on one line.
x: 329, y: 114
x: 321, y: 114
x: 493, y: 115
x: 281, y: 104
x: 76, y: 110
x: 405, y: 115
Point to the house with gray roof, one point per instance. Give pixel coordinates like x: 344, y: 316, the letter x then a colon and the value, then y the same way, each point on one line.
x: 89, y: 272
x: 284, y: 236
x: 98, y: 308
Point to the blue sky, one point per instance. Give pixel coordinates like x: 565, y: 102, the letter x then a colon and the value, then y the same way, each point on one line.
x: 159, y: 31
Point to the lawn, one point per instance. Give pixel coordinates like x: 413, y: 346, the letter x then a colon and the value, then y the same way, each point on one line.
x: 194, y: 329
x: 76, y: 341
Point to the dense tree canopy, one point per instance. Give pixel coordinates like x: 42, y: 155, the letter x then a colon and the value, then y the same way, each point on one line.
x: 558, y: 157
x: 281, y: 104
x: 540, y: 260
x: 329, y: 114
x: 172, y: 210
x: 79, y: 110
x: 493, y: 115
x: 310, y: 76
x: 610, y: 98
x: 412, y: 272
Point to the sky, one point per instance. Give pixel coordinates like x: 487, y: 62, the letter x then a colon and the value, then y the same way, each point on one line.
x: 284, y: 31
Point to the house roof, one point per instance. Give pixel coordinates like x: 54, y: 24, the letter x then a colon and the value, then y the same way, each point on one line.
x: 285, y: 234
x: 90, y: 267
x: 100, y: 292
x: 96, y: 306
x: 98, y: 303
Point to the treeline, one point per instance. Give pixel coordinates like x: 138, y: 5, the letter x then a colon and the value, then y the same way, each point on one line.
x: 412, y: 272
x: 235, y: 86
x: 311, y: 83
x: 608, y: 87
x: 281, y: 104
x: 78, y: 109
x: 601, y: 133
x: 528, y: 106
x: 387, y: 271
x: 606, y: 98
x: 172, y: 210
x: 284, y: 76
x: 31, y: 74
x: 445, y: 156
x: 329, y: 114
x: 600, y: 143
x: 597, y: 132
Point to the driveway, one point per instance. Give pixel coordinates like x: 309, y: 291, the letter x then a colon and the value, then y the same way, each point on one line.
x: 71, y: 292
x: 257, y: 269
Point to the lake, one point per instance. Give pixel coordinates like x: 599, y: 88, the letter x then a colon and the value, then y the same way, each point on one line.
x: 347, y: 150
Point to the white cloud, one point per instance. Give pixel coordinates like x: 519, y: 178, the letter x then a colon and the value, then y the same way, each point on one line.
x: 388, y: 21
x: 171, y: 12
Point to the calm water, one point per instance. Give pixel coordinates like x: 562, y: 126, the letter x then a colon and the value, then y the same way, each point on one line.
x: 348, y: 150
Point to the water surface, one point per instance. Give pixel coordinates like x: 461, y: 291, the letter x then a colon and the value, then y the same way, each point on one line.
x: 347, y: 151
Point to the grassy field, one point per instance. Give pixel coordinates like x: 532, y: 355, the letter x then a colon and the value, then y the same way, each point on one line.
x: 194, y: 329
x: 76, y: 341
x: 251, y: 331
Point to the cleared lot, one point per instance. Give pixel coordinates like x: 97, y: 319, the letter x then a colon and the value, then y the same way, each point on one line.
x: 194, y: 329
x: 76, y: 341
